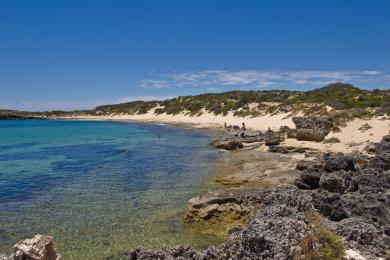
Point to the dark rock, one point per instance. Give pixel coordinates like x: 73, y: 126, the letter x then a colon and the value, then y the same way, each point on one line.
x: 329, y: 205
x: 331, y: 182
x: 311, y: 179
x: 180, y: 252
x: 227, y: 144
x: 272, y: 140
x: 338, y: 162
x: 301, y: 185
x: 332, y: 140
x: 313, y: 123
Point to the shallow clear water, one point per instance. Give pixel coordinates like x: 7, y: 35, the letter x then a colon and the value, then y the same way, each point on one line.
x: 100, y: 188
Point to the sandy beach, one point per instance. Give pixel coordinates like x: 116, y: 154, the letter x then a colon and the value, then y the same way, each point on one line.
x: 351, y: 138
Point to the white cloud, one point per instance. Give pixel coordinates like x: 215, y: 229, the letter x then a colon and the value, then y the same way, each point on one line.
x: 263, y: 78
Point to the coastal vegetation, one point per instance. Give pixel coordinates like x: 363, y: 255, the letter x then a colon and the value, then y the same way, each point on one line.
x: 339, y: 101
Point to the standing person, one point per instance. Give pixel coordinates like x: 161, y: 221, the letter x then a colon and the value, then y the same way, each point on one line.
x: 243, y: 126
x: 225, y: 125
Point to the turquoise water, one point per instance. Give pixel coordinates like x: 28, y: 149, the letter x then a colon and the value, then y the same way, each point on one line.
x: 100, y: 188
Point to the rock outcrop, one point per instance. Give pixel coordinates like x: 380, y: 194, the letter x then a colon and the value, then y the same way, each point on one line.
x: 312, y: 128
x: 353, y: 192
x: 40, y: 247
x: 273, y: 232
x: 236, y: 204
x: 227, y: 144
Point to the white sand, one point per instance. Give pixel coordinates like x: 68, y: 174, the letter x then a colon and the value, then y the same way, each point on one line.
x: 351, y: 138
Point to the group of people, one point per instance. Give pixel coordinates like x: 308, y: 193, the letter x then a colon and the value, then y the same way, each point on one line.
x: 234, y: 127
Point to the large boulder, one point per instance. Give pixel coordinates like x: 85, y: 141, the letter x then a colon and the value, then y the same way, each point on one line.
x: 40, y: 247
x: 306, y: 134
x: 314, y: 123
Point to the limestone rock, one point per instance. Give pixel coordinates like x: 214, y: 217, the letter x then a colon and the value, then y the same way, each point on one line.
x: 40, y: 247
x: 306, y: 134
x: 229, y: 144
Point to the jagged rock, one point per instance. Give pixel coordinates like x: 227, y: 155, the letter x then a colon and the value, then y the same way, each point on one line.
x: 329, y: 204
x: 311, y: 179
x: 213, y: 204
x: 313, y: 123
x: 273, y: 232
x: 332, y: 140
x: 365, y: 127
x: 356, y: 229
x: 227, y: 144
x: 40, y: 247
x: 305, y: 134
x: 180, y: 252
x: 331, y: 182
x: 338, y: 162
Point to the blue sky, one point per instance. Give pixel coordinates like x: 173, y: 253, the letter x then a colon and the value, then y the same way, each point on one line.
x: 68, y: 54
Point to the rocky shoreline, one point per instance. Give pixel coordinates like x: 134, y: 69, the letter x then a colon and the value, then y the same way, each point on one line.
x: 337, y: 207
x: 290, y: 202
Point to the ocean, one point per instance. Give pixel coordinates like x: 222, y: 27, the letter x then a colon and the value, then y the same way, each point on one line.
x: 101, y: 188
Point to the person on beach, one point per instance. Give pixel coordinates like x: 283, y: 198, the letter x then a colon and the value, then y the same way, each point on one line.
x: 225, y: 125
x: 243, y: 126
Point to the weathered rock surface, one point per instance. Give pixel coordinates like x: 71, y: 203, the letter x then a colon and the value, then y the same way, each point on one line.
x: 332, y: 182
x: 237, y: 204
x: 332, y: 140
x: 353, y: 191
x: 313, y: 123
x: 273, y: 232
x: 306, y: 134
x: 227, y: 144
x: 312, y: 128
x: 40, y: 247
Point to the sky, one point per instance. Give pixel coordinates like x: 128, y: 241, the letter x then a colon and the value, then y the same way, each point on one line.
x: 68, y: 54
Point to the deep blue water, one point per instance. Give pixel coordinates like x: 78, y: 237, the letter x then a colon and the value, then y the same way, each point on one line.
x: 100, y: 188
